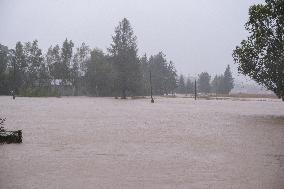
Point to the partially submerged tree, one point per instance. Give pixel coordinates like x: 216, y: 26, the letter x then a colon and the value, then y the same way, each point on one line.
x: 4, y: 77
x: 224, y: 83
x: 145, y: 70
x: 34, y: 63
x: 217, y: 84
x: 99, y: 75
x: 66, y: 58
x: 52, y: 59
x: 164, y: 74
x: 19, y: 60
x: 261, y: 55
x: 204, y: 82
x: 189, y: 86
x: 228, y: 81
x: 171, y: 80
x: 79, y: 68
x: 181, y: 85
x: 125, y: 60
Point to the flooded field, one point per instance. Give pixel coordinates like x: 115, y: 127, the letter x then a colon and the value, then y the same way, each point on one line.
x: 87, y: 143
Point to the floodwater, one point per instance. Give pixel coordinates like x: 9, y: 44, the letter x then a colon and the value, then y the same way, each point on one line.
x: 82, y: 142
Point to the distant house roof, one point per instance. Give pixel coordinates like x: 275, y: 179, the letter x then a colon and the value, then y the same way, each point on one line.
x: 57, y: 82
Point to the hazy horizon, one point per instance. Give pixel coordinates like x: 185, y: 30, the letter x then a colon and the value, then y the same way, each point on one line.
x: 196, y: 36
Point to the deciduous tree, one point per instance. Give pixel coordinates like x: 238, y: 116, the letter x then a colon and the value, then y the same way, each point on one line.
x: 261, y: 55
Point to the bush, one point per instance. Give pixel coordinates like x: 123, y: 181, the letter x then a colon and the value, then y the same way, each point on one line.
x: 10, y: 137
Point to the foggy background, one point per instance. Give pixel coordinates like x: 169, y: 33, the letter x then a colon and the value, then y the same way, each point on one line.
x: 196, y: 35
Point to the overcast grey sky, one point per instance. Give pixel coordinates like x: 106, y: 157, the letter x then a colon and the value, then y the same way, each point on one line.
x: 197, y: 35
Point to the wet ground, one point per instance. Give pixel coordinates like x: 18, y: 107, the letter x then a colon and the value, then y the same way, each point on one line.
x: 81, y: 142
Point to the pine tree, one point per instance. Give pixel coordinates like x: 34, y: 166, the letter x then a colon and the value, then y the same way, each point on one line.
x: 65, y: 64
x: 145, y: 70
x: 123, y: 51
x: 171, y: 81
x: 164, y: 74
x: 19, y: 60
x: 228, y: 80
x: 181, y: 85
x: 99, y: 76
x: 53, y: 61
x: 158, y: 67
x: 79, y: 68
x: 217, y: 85
x: 4, y: 81
x: 189, y: 87
x: 204, y: 82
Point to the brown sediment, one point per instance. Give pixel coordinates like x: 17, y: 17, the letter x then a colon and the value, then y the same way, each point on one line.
x: 82, y: 142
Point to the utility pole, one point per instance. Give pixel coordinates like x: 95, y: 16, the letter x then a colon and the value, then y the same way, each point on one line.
x: 152, y: 100
x: 195, y: 90
x: 14, y: 91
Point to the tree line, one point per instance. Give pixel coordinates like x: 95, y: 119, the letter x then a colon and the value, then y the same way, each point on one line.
x: 220, y: 84
x: 65, y: 70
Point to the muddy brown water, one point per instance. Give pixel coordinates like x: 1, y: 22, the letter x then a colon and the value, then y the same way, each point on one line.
x: 81, y: 142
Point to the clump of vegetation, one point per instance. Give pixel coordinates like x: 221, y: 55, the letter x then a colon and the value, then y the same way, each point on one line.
x: 9, y: 136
